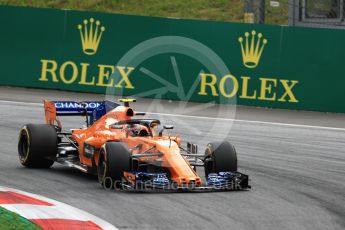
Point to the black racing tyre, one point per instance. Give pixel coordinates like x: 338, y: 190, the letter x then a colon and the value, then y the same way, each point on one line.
x: 220, y: 157
x: 37, y: 146
x: 114, y: 159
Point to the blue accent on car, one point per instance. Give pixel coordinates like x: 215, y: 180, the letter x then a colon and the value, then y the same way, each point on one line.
x: 101, y: 110
x: 152, y: 179
x: 93, y: 109
x: 65, y: 107
x: 221, y: 179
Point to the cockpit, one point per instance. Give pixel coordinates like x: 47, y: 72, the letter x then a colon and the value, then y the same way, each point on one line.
x: 136, y: 130
x: 140, y: 127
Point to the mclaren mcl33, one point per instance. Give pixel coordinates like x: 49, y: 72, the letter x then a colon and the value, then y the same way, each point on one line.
x: 126, y: 152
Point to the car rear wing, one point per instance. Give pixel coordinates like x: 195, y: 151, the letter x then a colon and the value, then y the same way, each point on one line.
x: 92, y: 110
x: 71, y: 108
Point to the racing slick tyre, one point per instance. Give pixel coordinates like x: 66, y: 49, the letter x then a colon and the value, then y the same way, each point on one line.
x: 220, y: 157
x: 114, y: 159
x: 37, y: 146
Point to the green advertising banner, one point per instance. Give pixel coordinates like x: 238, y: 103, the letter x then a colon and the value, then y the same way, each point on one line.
x: 202, y: 61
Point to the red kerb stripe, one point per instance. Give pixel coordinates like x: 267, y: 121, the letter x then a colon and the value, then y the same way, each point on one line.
x: 7, y: 197
x: 59, y: 224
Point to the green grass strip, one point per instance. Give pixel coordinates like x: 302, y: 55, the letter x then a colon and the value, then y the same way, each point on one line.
x: 12, y: 221
x: 219, y: 10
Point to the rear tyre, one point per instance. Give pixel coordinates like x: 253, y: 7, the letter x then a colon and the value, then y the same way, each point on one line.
x: 220, y: 157
x: 114, y: 159
x: 37, y: 146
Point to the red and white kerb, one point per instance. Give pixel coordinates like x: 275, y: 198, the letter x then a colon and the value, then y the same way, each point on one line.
x: 48, y: 213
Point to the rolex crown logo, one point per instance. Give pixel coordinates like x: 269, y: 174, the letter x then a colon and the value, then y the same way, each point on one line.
x: 251, y: 53
x: 90, y: 34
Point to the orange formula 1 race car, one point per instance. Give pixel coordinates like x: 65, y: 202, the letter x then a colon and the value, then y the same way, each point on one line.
x: 124, y: 152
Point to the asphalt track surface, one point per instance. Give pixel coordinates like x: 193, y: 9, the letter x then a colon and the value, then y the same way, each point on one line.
x: 296, y: 162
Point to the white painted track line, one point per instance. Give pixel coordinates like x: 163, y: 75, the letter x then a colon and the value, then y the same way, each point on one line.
x: 211, y: 118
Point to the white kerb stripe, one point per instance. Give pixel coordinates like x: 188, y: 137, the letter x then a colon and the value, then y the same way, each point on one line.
x: 59, y: 210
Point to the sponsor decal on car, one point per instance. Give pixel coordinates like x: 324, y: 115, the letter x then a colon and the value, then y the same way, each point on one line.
x: 76, y: 105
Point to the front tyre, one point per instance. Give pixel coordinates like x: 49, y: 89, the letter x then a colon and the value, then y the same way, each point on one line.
x: 114, y: 159
x: 37, y: 146
x: 220, y: 157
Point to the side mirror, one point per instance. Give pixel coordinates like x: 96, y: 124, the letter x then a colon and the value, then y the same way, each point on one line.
x: 165, y: 127
x: 116, y: 126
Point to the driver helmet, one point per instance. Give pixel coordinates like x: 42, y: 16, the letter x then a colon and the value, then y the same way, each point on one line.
x: 137, y: 130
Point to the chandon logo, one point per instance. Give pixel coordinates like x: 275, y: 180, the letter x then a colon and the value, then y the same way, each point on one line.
x: 76, y: 105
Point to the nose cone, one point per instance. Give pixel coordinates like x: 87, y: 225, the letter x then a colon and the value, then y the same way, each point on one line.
x: 167, y: 144
x: 179, y: 167
x: 188, y: 182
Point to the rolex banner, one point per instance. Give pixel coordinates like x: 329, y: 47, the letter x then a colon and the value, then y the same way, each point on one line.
x: 202, y: 61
